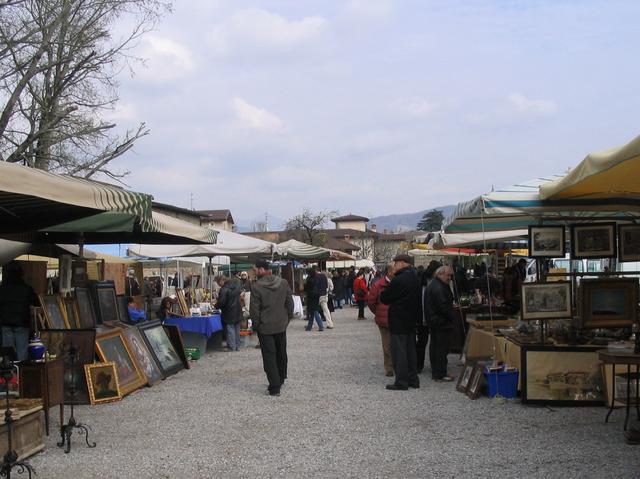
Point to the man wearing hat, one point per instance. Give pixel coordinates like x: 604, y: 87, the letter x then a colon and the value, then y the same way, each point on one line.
x: 271, y: 309
x: 403, y: 297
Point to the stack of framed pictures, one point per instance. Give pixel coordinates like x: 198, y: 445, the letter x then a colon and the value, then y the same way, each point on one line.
x: 471, y: 379
x: 111, y: 347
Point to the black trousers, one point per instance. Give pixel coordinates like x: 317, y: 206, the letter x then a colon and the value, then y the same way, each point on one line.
x: 422, y: 338
x: 403, y: 354
x: 274, y: 358
x: 438, y: 350
x: 361, y: 308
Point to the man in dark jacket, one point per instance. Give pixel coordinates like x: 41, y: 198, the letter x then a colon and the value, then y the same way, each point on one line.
x: 15, y: 298
x: 403, y: 297
x: 439, y: 305
x: 271, y: 310
x: 229, y: 305
x: 311, y: 289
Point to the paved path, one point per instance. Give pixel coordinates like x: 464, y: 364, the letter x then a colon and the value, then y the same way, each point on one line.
x: 333, y: 419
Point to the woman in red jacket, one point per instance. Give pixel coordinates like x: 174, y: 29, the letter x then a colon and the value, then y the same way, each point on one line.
x: 361, y: 292
x: 381, y: 312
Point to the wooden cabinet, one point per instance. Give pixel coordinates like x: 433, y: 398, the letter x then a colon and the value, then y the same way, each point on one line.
x: 44, y: 380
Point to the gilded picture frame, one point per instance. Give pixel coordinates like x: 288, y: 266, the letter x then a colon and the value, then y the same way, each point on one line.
x: 102, y: 382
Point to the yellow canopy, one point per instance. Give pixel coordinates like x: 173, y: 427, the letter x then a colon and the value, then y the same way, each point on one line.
x: 612, y: 174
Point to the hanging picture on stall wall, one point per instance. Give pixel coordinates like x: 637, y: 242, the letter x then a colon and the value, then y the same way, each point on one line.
x: 546, y: 241
x: 546, y: 300
x: 597, y: 240
x: 608, y: 303
x: 629, y: 239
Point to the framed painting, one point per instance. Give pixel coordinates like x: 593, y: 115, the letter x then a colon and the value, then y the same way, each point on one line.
x: 569, y: 376
x: 146, y: 360
x: 111, y: 347
x: 173, y: 331
x: 71, y: 312
x: 476, y: 381
x: 104, y: 293
x: 103, y: 382
x: 629, y: 243
x: 546, y: 300
x: 608, y: 303
x: 84, y: 304
x: 546, y: 241
x: 597, y: 240
x: 58, y: 342
x: 123, y: 309
x: 463, y: 378
x: 161, y: 347
x: 53, y: 308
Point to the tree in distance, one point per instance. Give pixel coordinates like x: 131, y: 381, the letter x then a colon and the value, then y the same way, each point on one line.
x: 431, y: 221
x: 307, y: 226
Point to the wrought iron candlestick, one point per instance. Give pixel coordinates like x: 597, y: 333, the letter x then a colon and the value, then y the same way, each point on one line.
x: 10, y: 459
x: 67, y: 429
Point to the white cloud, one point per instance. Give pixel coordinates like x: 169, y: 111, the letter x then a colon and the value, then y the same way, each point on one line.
x: 523, y: 104
x: 122, y: 111
x: 254, y: 117
x: 370, y: 8
x: 255, y: 29
x: 416, y: 107
x: 165, y: 59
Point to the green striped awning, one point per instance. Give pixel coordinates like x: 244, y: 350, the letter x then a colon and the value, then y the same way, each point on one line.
x: 32, y: 199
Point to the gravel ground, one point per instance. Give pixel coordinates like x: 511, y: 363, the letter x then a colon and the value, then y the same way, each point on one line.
x: 333, y: 419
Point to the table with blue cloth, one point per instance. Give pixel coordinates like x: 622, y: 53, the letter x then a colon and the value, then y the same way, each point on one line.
x: 196, y: 330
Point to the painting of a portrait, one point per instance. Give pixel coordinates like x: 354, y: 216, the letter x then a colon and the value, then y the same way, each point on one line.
x: 145, y: 359
x: 103, y: 382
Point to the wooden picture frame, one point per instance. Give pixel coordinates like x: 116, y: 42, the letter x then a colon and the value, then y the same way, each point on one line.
x: 160, y: 346
x: 104, y: 293
x: 146, y: 360
x: 546, y: 300
x: 628, y: 243
x: 57, y: 342
x: 182, y: 302
x: 84, y: 303
x: 546, y: 241
x: 54, y: 311
x: 102, y: 382
x: 71, y: 312
x: 595, y: 240
x: 608, y: 302
x: 111, y: 347
x: 463, y: 378
x: 123, y: 309
x: 564, y: 376
x: 476, y: 381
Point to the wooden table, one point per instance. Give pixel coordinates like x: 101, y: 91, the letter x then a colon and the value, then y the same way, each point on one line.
x: 615, y: 358
x: 44, y: 380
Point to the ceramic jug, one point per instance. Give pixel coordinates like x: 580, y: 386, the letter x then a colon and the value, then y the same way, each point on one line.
x: 36, y: 349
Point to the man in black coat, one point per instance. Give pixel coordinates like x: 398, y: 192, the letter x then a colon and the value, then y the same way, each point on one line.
x: 231, y: 309
x: 438, y: 303
x: 403, y: 297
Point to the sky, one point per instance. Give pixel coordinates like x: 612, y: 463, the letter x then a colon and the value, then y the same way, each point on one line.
x: 373, y: 107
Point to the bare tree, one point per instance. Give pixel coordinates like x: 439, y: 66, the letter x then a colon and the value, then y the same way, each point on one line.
x: 308, y: 225
x: 58, y: 63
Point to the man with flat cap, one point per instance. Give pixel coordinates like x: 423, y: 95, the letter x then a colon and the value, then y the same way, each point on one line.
x: 403, y: 297
x: 271, y: 309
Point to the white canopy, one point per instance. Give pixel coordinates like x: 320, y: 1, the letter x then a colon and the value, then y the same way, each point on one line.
x: 299, y: 250
x: 228, y: 244
x: 460, y: 240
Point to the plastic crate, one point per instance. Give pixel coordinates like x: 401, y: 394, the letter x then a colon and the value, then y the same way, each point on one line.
x: 503, y: 383
x: 192, y: 353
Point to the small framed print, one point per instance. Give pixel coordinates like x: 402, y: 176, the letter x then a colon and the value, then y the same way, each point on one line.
x: 476, y: 381
x: 629, y: 243
x: 597, y: 240
x: 546, y: 241
x: 102, y: 381
x: 463, y: 379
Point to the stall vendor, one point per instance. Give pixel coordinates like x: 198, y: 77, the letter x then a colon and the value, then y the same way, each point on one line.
x: 165, y: 310
x: 16, y: 296
x: 135, y: 315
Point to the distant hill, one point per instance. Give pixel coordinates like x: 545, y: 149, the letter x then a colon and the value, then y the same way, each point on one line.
x: 405, y: 221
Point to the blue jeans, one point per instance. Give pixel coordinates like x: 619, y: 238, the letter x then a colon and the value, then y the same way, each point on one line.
x: 315, y: 314
x: 18, y: 338
x: 234, y: 340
